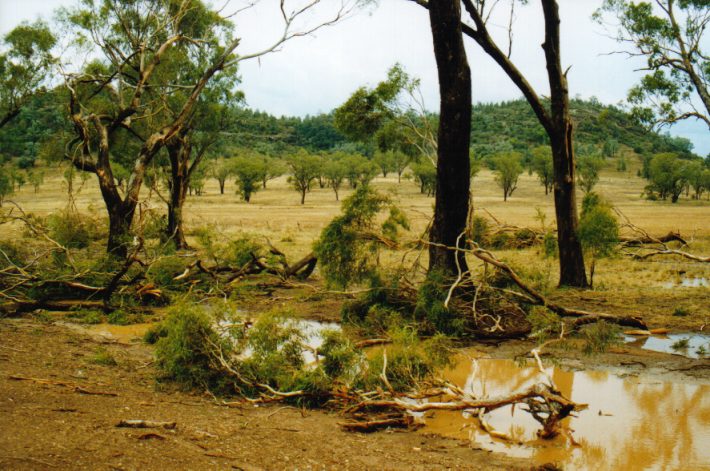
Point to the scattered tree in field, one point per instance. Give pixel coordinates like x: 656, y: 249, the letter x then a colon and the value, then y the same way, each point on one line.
x: 508, y: 169
x: 542, y: 165
x: 249, y: 172
x: 424, y: 174
x: 335, y: 172
x: 670, y: 35
x: 610, y: 148
x: 36, y: 178
x: 25, y: 60
x: 139, y: 49
x: 588, y: 168
x: 385, y: 161
x: 698, y: 177
x: 667, y: 177
x: 358, y: 169
x: 273, y: 168
x: 598, y: 230
x: 221, y: 169
x: 305, y: 168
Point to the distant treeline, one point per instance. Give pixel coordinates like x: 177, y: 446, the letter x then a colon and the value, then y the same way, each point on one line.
x: 496, y: 128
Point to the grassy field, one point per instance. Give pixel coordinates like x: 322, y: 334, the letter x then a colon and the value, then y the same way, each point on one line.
x: 621, y: 284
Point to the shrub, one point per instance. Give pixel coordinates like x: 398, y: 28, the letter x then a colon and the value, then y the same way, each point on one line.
x: 184, y: 354
x: 103, y: 357
x: 69, y: 229
x: 598, y: 337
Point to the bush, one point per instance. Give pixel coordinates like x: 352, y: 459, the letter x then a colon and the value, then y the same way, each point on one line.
x: 103, y: 357
x: 184, y: 354
x: 598, y: 337
x: 70, y: 229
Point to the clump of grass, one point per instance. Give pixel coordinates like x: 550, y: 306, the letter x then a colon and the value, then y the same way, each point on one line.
x: 87, y: 316
x: 681, y: 311
x: 681, y: 344
x: 600, y: 336
x: 155, y: 333
x: 103, y: 357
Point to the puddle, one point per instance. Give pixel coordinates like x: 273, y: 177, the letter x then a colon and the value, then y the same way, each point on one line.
x: 122, y: 333
x: 697, y: 282
x: 630, y: 424
x: 313, y: 331
x: 698, y: 345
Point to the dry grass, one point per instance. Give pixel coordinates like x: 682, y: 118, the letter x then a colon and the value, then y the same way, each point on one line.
x: 622, y: 285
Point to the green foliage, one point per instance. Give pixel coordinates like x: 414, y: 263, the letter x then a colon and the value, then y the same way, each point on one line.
x: 163, y: 271
x: 185, y: 353
x: 669, y: 36
x: 542, y: 165
x: 545, y: 324
x: 72, y: 230
x: 588, y: 168
x: 508, y: 169
x: 155, y: 333
x: 668, y: 176
x: 87, y: 316
x: 480, y: 230
x: 600, y: 336
x: 121, y: 317
x: 681, y: 344
x: 25, y: 60
x: 344, y: 254
x: 305, y: 168
x: 409, y: 360
x: 425, y: 174
x: 681, y: 311
x: 598, y: 229
x: 6, y: 185
x: 249, y: 173
x: 430, y: 310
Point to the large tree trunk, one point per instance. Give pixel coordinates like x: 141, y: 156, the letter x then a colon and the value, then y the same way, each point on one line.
x: 453, y: 166
x: 120, y: 217
x: 572, y: 271
x: 179, y: 154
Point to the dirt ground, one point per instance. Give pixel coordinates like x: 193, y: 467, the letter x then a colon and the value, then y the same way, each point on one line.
x: 56, y: 418
x: 59, y: 409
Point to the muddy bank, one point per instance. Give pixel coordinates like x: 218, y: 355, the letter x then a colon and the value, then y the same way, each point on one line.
x: 63, y: 415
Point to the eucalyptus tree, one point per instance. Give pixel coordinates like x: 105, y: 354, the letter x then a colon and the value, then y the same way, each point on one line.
x: 25, y: 63
x: 671, y: 35
x: 117, y: 101
x: 555, y: 118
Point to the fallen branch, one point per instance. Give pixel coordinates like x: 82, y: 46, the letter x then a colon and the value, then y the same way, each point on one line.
x: 367, y: 426
x: 137, y: 423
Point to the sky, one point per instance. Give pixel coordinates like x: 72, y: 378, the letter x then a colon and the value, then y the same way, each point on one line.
x: 317, y: 73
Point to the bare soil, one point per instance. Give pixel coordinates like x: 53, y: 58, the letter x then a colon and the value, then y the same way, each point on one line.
x: 61, y: 417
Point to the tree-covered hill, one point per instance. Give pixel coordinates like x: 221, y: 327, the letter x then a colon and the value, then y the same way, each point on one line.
x: 513, y: 126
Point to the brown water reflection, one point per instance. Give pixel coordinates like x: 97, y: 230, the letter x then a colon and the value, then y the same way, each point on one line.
x: 630, y: 424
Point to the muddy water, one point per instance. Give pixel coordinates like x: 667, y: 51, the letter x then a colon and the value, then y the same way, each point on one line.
x: 697, y: 345
x: 630, y: 424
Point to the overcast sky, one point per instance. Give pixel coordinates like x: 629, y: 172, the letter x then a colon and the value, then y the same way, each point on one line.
x: 317, y: 73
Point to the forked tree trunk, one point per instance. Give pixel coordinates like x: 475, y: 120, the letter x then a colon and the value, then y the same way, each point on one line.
x: 120, y: 217
x: 453, y: 166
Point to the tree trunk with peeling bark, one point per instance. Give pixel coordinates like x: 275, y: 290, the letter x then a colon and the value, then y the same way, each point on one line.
x: 453, y: 165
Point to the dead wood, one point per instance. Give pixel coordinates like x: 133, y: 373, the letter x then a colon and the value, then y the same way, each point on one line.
x: 645, y: 238
x: 367, y: 426
x: 372, y: 342
x: 73, y: 386
x: 680, y: 253
x: 16, y: 308
x: 138, y: 423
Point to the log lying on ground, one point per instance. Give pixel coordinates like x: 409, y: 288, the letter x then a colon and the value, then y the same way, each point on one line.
x: 680, y: 253
x: 137, y: 423
x: 631, y: 241
x: 16, y: 308
x: 533, y: 297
